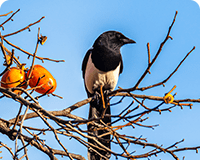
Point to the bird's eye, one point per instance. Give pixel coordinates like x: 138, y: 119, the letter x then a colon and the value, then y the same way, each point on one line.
x: 118, y: 36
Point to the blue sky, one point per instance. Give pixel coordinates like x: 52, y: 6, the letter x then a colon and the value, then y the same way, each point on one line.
x: 72, y: 27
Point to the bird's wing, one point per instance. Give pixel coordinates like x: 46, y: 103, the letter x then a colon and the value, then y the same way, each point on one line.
x: 121, y: 66
x: 85, y: 60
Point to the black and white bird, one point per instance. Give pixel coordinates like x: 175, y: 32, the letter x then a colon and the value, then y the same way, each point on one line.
x: 101, y: 67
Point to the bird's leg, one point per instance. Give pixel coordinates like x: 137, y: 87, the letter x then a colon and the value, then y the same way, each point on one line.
x: 106, y: 99
x: 102, y: 96
x: 106, y: 102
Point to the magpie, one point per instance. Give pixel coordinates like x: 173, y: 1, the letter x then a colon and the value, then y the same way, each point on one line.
x: 101, y: 68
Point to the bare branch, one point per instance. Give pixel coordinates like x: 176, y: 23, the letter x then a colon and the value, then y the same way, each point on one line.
x: 1, y: 25
x: 29, y: 54
x: 27, y: 27
x: 164, y: 81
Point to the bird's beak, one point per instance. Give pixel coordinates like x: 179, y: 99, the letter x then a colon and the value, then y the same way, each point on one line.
x: 127, y: 40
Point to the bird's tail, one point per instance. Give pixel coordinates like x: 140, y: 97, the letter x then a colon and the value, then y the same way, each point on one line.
x: 97, y: 109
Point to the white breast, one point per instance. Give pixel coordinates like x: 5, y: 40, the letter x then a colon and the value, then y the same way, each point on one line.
x: 94, y: 78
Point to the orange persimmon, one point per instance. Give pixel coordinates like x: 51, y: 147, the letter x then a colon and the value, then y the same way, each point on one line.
x: 13, y: 78
x: 41, y: 77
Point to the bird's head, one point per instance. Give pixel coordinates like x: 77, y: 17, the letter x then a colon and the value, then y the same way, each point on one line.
x: 112, y: 40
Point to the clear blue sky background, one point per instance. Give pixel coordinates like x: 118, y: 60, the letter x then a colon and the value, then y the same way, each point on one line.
x: 71, y: 28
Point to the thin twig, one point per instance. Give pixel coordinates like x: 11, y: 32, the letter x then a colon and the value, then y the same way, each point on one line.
x: 149, y: 55
x: 1, y: 25
x: 32, y: 65
x: 29, y: 54
x: 17, y: 117
x: 158, y: 52
x: 10, y: 53
x: 2, y: 49
x: 164, y: 81
x: 6, y: 14
x: 19, y: 133
x: 31, y: 24
x: 9, y: 149
x: 25, y: 149
x: 9, y: 63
